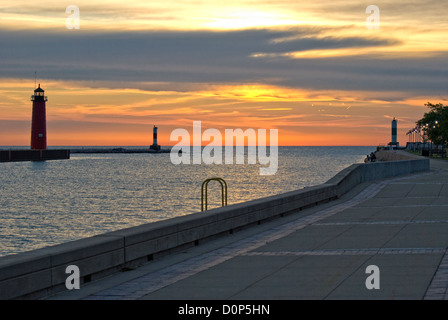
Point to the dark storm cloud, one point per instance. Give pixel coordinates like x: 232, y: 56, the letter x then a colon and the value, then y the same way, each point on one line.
x: 215, y: 57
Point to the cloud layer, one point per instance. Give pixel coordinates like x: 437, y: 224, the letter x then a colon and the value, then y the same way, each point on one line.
x: 261, y: 56
x: 310, y: 68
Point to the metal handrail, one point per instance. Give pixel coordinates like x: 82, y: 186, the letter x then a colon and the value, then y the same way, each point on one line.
x: 204, y: 192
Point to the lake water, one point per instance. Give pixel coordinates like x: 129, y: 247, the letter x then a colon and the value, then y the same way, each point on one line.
x: 51, y: 202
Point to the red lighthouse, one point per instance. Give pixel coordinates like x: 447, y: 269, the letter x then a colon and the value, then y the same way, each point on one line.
x: 39, y: 123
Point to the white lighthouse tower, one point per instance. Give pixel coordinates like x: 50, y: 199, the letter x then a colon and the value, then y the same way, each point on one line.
x: 154, y: 145
x: 394, y: 142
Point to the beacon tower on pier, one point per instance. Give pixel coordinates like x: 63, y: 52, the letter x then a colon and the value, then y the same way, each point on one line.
x: 39, y: 121
x: 154, y: 145
x: 394, y: 142
x: 38, y: 151
x: 394, y: 131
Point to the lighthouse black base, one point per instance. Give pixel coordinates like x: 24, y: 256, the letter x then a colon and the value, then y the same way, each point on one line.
x: 33, y: 155
x: 155, y: 147
x: 393, y: 145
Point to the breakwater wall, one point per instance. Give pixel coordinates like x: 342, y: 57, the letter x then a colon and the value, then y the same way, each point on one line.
x: 119, y: 150
x: 42, y: 272
x: 33, y: 155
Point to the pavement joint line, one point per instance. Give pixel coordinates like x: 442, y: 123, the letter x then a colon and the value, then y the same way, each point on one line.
x: 412, y: 183
x: 360, y: 251
x: 348, y: 223
x: 437, y: 290
x: 151, y: 282
x: 419, y: 197
x: 410, y: 205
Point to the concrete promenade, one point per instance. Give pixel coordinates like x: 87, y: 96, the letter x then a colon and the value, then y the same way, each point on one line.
x: 399, y: 225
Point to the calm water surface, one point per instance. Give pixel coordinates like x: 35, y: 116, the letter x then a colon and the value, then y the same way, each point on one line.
x: 51, y: 202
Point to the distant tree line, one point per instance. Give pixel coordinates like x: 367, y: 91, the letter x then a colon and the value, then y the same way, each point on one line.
x: 434, y: 123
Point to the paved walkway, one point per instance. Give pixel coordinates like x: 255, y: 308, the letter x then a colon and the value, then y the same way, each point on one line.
x: 399, y: 226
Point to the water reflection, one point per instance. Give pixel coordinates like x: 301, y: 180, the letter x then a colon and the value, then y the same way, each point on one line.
x: 45, y: 203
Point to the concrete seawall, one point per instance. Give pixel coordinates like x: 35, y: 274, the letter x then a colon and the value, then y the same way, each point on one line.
x: 41, y: 272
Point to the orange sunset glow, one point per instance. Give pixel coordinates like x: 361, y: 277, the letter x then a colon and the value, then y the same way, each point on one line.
x: 314, y: 71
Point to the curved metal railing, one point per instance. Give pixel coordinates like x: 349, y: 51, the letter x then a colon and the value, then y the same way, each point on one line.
x: 204, y: 194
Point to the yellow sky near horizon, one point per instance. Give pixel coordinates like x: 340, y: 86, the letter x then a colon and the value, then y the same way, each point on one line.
x: 128, y: 115
x: 89, y: 112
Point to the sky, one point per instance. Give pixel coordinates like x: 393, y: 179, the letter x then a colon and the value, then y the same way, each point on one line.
x: 313, y: 70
